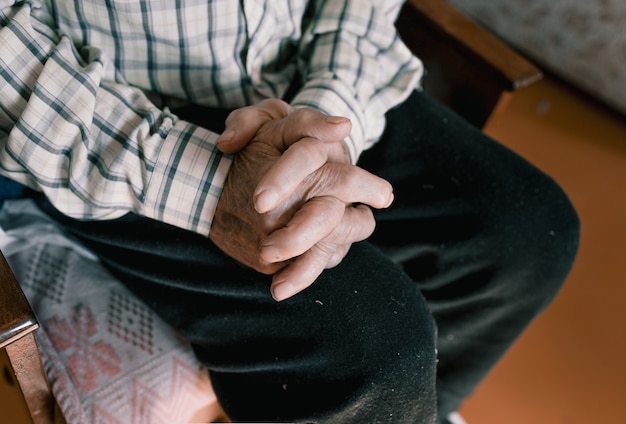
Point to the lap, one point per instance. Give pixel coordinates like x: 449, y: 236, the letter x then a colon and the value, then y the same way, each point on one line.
x: 468, y: 216
x: 364, y: 323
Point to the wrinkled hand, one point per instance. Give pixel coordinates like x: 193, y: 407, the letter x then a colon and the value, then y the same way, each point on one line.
x: 292, y: 204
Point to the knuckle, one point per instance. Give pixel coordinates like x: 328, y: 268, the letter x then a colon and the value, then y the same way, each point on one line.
x: 311, y: 148
x: 340, y: 252
x: 327, y: 176
x: 326, y: 251
x: 305, y: 114
x: 359, y: 224
x: 274, y: 108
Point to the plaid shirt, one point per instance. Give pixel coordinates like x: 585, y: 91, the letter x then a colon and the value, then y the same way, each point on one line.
x: 86, y: 86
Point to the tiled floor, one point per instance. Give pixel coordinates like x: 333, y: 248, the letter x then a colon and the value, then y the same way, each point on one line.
x: 569, y: 367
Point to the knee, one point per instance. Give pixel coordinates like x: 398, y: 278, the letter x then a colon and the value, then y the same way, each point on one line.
x: 541, y: 235
x: 386, y: 344
x: 551, y: 226
x: 357, y: 346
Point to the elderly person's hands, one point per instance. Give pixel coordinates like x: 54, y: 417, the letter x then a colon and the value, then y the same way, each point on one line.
x: 292, y: 204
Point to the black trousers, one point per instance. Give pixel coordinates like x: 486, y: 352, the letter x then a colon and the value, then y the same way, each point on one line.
x: 476, y: 244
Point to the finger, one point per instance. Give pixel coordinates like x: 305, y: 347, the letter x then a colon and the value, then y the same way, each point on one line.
x: 281, y: 180
x: 242, y: 124
x: 310, y: 224
x: 311, y: 123
x: 357, y: 224
x: 340, y: 252
x: 302, y: 272
x: 349, y: 183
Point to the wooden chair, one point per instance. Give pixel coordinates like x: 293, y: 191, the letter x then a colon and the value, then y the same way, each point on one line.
x: 468, y: 69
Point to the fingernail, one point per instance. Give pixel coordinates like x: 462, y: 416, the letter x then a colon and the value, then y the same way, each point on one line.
x: 266, y: 200
x: 336, y: 119
x: 226, y: 136
x: 283, y: 290
x: 270, y: 254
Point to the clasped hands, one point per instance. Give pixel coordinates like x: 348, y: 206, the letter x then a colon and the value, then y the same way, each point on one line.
x: 292, y: 204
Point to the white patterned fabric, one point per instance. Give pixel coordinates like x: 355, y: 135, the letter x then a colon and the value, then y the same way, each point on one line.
x: 109, y: 358
x: 581, y: 41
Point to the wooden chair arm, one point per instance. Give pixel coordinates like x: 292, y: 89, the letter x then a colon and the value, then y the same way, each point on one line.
x: 467, y: 67
x: 17, y: 318
x: 17, y: 324
x: 479, y: 45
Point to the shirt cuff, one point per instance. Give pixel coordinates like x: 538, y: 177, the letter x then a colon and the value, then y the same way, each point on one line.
x: 188, y: 179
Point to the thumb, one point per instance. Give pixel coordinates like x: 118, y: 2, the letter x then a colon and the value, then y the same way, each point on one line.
x: 237, y: 134
x: 243, y: 124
